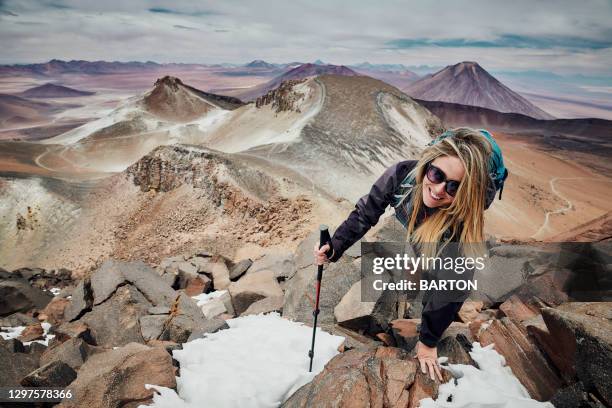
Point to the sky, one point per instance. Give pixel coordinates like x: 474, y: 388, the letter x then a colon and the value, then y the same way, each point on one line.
x: 560, y: 36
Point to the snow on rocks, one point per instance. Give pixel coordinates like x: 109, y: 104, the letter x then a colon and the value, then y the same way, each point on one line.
x: 18, y: 332
x: 261, y: 359
x: 493, y: 385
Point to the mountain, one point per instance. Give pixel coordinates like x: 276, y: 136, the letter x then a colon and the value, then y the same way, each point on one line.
x: 400, y: 79
x: 185, y: 161
x: 171, y: 112
x: 50, y: 90
x: 584, y: 140
x: 170, y: 99
x: 57, y: 67
x: 379, y: 67
x: 17, y: 111
x: 467, y: 83
x: 300, y: 72
x: 260, y: 64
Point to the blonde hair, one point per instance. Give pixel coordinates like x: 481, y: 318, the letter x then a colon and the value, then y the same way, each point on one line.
x: 464, y: 217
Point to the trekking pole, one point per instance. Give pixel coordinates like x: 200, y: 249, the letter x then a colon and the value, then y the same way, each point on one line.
x: 324, y: 238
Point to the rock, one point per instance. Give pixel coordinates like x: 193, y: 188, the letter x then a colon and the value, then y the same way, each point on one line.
x: 54, y: 374
x: 581, y: 331
x: 32, y: 332
x: 266, y: 305
x: 169, y: 346
x: 127, y: 299
x: 67, y: 331
x: 159, y: 310
x: 227, y: 302
x: 116, y: 378
x: 405, y: 332
x: 152, y: 326
x: 450, y: 347
x: 370, y: 377
x: 387, y: 339
x: 17, y: 295
x: 423, y: 387
x: 220, y: 276
x: 549, y: 287
x: 197, y: 285
x: 252, y: 288
x: 17, y: 319
x: 187, y: 268
x: 523, y: 357
x: 574, y: 396
x: 352, y: 339
x: 213, y: 308
x: 371, y: 317
x: 212, y: 326
x: 282, y: 264
x: 114, y: 273
x: 54, y: 311
x: 81, y: 302
x: 239, y: 269
x: 186, y: 319
x: 14, y: 366
x: 470, y: 311
x: 13, y: 345
x: 338, y: 278
x: 73, y: 352
x: 203, y: 264
x: 115, y: 322
x: 517, y: 310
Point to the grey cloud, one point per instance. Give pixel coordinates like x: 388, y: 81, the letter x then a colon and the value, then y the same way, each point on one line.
x: 560, y: 35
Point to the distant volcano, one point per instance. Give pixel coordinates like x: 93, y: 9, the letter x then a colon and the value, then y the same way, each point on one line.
x: 467, y: 83
x: 299, y: 72
x: 50, y: 90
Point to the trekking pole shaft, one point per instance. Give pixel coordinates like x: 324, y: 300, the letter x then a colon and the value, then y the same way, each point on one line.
x: 324, y: 238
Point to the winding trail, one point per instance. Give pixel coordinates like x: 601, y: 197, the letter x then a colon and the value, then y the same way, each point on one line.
x: 568, y: 206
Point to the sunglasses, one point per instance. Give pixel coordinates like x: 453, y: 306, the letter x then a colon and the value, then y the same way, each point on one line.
x: 437, y: 176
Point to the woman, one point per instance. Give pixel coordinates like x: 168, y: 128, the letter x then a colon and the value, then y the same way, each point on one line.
x: 439, y: 199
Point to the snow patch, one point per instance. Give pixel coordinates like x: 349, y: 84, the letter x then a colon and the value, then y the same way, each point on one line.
x: 260, y: 361
x: 8, y: 333
x: 204, y: 298
x: 493, y: 385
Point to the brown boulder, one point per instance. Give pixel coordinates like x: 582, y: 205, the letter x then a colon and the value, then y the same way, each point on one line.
x: 32, y: 332
x: 53, y: 374
x: 251, y: 288
x: 517, y: 310
x: 54, y: 311
x: 197, y: 285
x: 470, y: 311
x: 366, y: 377
x: 523, y: 357
x: 116, y: 378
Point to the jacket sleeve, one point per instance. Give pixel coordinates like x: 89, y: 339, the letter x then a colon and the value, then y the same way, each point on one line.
x: 441, y: 306
x: 368, y: 209
x: 435, y: 319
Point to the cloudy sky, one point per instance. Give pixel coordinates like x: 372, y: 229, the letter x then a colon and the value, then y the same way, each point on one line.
x: 563, y: 36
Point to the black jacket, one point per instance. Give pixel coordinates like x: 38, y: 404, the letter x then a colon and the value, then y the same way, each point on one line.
x: 436, y: 317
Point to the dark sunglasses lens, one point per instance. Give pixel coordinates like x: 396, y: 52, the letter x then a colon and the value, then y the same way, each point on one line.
x: 452, y: 187
x: 435, y: 175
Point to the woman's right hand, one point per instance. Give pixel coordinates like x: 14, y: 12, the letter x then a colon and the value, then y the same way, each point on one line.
x: 319, y: 254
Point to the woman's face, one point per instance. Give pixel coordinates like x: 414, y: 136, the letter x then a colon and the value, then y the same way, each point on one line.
x: 435, y: 195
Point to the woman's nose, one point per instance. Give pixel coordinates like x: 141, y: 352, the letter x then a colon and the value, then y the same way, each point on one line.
x: 438, y: 189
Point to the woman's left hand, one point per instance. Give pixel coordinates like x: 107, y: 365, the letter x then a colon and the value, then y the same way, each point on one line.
x: 428, y: 358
